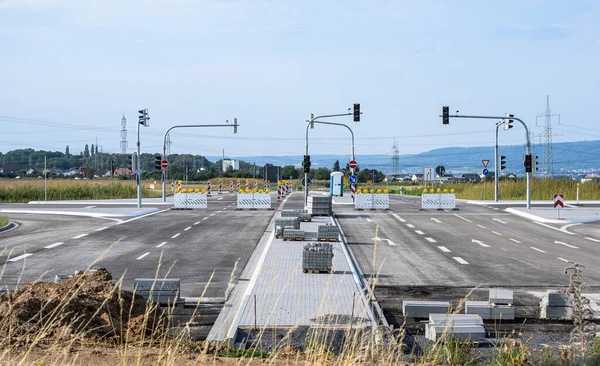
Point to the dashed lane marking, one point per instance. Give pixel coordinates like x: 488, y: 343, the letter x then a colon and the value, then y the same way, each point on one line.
x: 419, y: 232
x: 539, y: 250
x: 497, y: 233
x: 54, y: 245
x: 436, y: 220
x: 399, y: 218
x: 196, y: 223
x: 565, y: 244
x: 410, y: 226
x: 79, y: 236
x: 481, y: 226
x: 462, y: 218
x: 143, y: 255
x: 480, y: 243
x: 592, y: 239
x: 176, y: 235
x: 187, y: 228
x: 90, y: 207
x: 515, y: 240
x: 431, y: 240
x: 212, y: 214
x: 204, y: 218
x: 460, y: 260
x: 102, y: 228
x: 161, y: 244
x: 444, y: 249
x: 564, y: 260
x: 500, y: 221
x: 22, y: 256
x: 369, y: 220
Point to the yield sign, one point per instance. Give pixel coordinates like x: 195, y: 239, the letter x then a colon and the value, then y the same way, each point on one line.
x: 559, y: 200
x: 485, y: 163
x: 164, y: 164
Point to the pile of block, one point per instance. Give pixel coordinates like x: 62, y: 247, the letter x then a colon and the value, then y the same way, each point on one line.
x: 423, y: 308
x: 320, y: 205
x: 289, y: 233
x: 282, y: 222
x: 161, y: 291
x: 498, y: 307
x: 317, y: 257
x: 303, y: 215
x: 467, y: 327
x: 328, y: 232
x: 556, y: 305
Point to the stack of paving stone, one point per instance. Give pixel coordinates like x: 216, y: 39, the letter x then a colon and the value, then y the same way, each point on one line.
x: 319, y: 205
x: 556, y: 305
x: 317, y: 257
x: 282, y: 222
x: 498, y: 307
x: 289, y: 233
x: 303, y: 215
x: 328, y: 232
x: 423, y: 308
x: 463, y: 326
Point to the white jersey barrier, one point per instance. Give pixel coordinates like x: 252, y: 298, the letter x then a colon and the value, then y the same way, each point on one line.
x: 378, y: 201
x: 191, y: 200
x: 444, y: 201
x: 253, y: 200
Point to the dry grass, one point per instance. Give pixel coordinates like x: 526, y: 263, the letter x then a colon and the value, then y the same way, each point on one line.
x: 3, y: 220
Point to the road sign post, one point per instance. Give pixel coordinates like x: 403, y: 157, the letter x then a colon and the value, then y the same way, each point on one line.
x: 559, y: 202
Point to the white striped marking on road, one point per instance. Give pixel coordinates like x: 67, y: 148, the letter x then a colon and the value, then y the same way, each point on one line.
x: 79, y: 236
x: 399, y: 218
x: 444, y: 249
x: 481, y: 226
x: 500, y: 221
x: 143, y: 255
x: 515, y: 240
x: 369, y: 220
x: 219, y: 199
x: 224, y: 208
x: 212, y: 214
x: 90, y: 207
x: 460, y: 260
x: 176, y: 235
x: 592, y: 239
x: 187, y: 228
x: 204, y: 218
x: 161, y: 244
x: 410, y: 226
x: 480, y: 243
x: 419, y: 232
x: 20, y: 257
x: 462, y: 218
x: 564, y: 260
x: 436, y: 220
x: 196, y: 223
x: 497, y: 233
x: 102, y: 228
x: 431, y: 240
x: 565, y: 244
x: 496, y: 208
x: 539, y: 250
x: 54, y: 245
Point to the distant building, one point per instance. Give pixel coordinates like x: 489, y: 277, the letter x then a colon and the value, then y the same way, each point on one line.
x: 123, y: 171
x: 471, y: 177
x: 234, y: 164
x: 416, y: 178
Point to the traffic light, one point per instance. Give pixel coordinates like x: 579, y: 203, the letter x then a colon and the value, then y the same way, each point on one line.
x: 508, y: 122
x: 356, y: 112
x: 527, y: 163
x: 534, y: 163
x: 113, y: 166
x: 446, y: 115
x: 143, y: 118
x: 306, y: 163
x: 235, y: 125
x: 157, y: 162
x: 502, y: 162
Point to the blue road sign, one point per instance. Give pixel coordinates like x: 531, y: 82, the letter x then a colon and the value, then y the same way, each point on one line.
x: 353, y: 179
x: 485, y: 172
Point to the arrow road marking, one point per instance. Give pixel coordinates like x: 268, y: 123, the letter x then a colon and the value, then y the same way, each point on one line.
x: 539, y: 250
x: 436, y: 220
x: 566, y: 245
x: 431, y: 240
x: 388, y: 241
x: 462, y: 218
x: 444, y: 249
x: 592, y: 239
x: 500, y: 221
x: 480, y: 243
x: 460, y: 260
x: 399, y: 218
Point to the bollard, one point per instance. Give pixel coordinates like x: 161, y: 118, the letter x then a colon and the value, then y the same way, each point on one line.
x: 279, y: 191
x: 238, y: 185
x: 208, y: 187
x: 230, y: 186
x: 220, y: 186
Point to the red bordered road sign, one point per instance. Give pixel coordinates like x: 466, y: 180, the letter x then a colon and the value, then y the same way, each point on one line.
x: 164, y: 164
x: 559, y: 200
x: 352, y: 164
x: 485, y: 163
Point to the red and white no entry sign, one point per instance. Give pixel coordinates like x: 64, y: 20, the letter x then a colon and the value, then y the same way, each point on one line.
x: 353, y: 164
x: 559, y: 200
x: 164, y: 164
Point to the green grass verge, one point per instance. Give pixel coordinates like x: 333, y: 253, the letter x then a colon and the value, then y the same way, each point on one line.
x: 28, y: 193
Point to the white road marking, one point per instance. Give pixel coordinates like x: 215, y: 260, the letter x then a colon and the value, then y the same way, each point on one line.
x: 431, y: 240
x: 224, y: 208
x: 219, y: 199
x: 369, y: 220
x: 102, y: 228
x: 565, y: 244
x: 143, y: 255
x: 539, y: 250
x: 460, y: 260
x: 187, y: 228
x: 444, y: 249
x: 481, y: 226
x: 196, y: 223
x: 500, y: 221
x: 592, y: 239
x: 410, y: 226
x: 399, y: 218
x: 553, y: 228
x: 564, y: 260
x: 204, y: 218
x: 515, y: 240
x: 480, y: 243
x: 90, y: 207
x: 141, y: 217
x: 419, y: 232
x: 176, y: 235
x: 212, y: 214
x: 161, y: 244
x: 496, y: 208
x: 79, y: 236
x: 436, y: 220
x: 497, y: 233
x: 20, y: 257
x: 462, y: 218
x: 381, y: 239
x: 54, y: 245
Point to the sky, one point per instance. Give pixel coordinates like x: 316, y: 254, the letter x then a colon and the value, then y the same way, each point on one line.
x: 70, y: 69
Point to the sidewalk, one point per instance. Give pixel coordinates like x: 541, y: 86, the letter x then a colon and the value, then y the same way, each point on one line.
x: 568, y: 215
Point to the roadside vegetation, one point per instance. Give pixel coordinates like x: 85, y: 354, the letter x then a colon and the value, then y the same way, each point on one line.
x: 3, y: 220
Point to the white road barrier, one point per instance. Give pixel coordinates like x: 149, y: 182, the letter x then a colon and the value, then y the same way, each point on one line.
x: 366, y: 201
x: 254, y: 200
x: 191, y: 200
x: 445, y: 201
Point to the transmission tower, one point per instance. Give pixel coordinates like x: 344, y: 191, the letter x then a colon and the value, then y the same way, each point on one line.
x: 123, y: 135
x: 548, y: 163
x: 395, y: 160
x: 168, y: 144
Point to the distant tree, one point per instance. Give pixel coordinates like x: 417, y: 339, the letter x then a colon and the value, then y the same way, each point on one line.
x: 67, y: 153
x: 336, y: 166
x: 289, y: 171
x: 321, y: 174
x: 92, y: 151
x: 86, y: 151
x: 96, y: 152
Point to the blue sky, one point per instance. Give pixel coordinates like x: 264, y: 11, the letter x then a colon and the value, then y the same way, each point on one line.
x: 70, y: 69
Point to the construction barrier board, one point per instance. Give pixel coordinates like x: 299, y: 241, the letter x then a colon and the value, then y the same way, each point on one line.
x: 191, y: 200
x: 253, y: 200
x: 445, y: 201
x: 378, y: 201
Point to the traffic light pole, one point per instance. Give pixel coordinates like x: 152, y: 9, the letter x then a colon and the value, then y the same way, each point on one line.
x: 163, y: 175
x: 139, y: 178
x: 310, y: 121
x: 496, y: 170
x: 527, y: 146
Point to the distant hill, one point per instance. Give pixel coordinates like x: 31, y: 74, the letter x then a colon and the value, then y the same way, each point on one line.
x: 569, y: 158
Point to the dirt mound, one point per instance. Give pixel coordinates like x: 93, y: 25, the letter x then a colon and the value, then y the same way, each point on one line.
x: 87, y: 305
